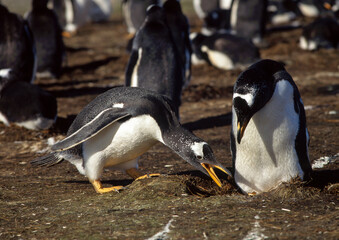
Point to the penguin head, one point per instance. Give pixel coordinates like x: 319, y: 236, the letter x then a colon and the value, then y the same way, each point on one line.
x: 39, y: 4
x: 200, y: 155
x: 172, y: 6
x: 252, y: 90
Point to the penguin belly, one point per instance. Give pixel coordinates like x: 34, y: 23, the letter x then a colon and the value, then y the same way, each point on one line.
x: 266, y: 155
x: 119, y: 143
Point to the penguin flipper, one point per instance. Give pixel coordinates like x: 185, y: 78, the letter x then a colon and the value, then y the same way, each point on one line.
x: 92, y: 128
x: 46, y: 161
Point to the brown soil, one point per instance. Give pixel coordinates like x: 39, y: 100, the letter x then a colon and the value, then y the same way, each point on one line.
x: 59, y: 203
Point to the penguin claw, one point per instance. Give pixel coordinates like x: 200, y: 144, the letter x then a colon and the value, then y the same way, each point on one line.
x: 148, y: 176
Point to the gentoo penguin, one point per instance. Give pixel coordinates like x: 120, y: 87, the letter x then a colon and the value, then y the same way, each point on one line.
x: 249, y: 24
x: 322, y: 33
x: 134, y: 12
x: 180, y: 30
x: 223, y: 50
x: 26, y: 105
x: 269, y: 138
x: 154, y: 63
x: 48, y: 39
x: 121, y: 124
x: 17, y: 46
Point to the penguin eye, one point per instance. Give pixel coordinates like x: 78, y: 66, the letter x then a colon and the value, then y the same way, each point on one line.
x: 199, y: 157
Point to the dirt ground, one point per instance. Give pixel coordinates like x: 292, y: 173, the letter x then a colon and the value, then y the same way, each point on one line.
x: 59, y: 203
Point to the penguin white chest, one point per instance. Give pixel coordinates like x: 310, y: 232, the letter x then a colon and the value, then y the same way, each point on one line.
x: 266, y: 155
x: 120, y: 143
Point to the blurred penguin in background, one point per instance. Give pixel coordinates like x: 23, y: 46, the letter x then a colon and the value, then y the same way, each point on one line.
x: 134, y: 12
x: 180, y: 30
x: 248, y: 19
x: 100, y: 10
x: 48, y: 39
x: 155, y: 63
x: 223, y: 50
x: 21, y: 102
x: 17, y: 49
x: 322, y: 33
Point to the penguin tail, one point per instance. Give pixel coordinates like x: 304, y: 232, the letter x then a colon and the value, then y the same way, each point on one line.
x: 47, y: 160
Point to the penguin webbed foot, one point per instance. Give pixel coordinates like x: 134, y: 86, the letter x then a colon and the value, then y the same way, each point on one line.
x: 99, y: 189
x: 136, y: 175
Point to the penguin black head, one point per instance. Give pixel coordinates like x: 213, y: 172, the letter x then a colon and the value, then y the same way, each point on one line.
x: 172, y: 6
x: 252, y: 90
x: 197, y: 153
x: 39, y: 4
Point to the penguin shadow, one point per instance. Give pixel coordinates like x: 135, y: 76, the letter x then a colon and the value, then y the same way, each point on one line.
x: 210, y: 122
x: 323, y: 179
x: 76, y: 49
x: 91, y: 66
x: 329, y: 90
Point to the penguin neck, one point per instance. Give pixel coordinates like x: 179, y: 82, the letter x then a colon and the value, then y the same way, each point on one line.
x: 179, y: 139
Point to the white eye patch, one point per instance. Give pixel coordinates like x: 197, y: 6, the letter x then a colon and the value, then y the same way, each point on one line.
x: 248, y: 97
x: 197, y: 148
x: 118, y: 105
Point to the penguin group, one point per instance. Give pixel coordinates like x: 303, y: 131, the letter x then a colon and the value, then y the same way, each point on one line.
x: 21, y: 102
x: 269, y: 137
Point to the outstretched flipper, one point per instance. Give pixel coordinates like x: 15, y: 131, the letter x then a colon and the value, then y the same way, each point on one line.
x: 92, y: 128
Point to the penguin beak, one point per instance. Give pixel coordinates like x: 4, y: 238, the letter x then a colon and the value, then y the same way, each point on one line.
x: 241, y: 129
x: 210, y: 171
x: 327, y: 6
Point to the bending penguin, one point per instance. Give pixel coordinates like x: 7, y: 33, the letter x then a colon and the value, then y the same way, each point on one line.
x: 269, y: 137
x: 48, y: 39
x: 121, y: 124
x: 154, y: 63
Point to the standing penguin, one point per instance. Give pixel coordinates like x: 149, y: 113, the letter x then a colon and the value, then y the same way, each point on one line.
x: 269, y: 138
x: 121, y: 124
x: 180, y: 30
x: 134, y: 12
x: 248, y: 19
x: 48, y: 39
x: 16, y: 46
x: 154, y: 63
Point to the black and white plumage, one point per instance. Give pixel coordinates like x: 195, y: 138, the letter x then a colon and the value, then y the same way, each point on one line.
x: 17, y: 48
x: 217, y: 21
x: 223, y: 50
x: 27, y: 105
x: 48, y: 39
x: 121, y: 124
x: 322, y: 33
x: 180, y: 30
x: 155, y: 63
x: 269, y: 137
x: 134, y: 12
x: 249, y: 24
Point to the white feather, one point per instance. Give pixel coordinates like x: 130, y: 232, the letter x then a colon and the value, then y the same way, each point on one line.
x: 134, y: 80
x: 218, y: 59
x: 119, y: 143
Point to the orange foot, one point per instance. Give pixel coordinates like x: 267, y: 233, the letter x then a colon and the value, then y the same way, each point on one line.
x: 99, y: 189
x: 134, y: 173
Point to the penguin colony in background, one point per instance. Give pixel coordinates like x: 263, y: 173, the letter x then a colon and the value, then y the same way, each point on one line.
x: 21, y: 102
x: 269, y: 137
x: 118, y: 126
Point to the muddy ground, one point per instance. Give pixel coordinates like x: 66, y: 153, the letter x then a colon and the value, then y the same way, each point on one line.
x: 59, y: 203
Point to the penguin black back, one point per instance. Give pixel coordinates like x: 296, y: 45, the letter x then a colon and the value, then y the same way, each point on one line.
x: 155, y: 62
x: 179, y: 26
x: 16, y: 46
x: 48, y: 37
